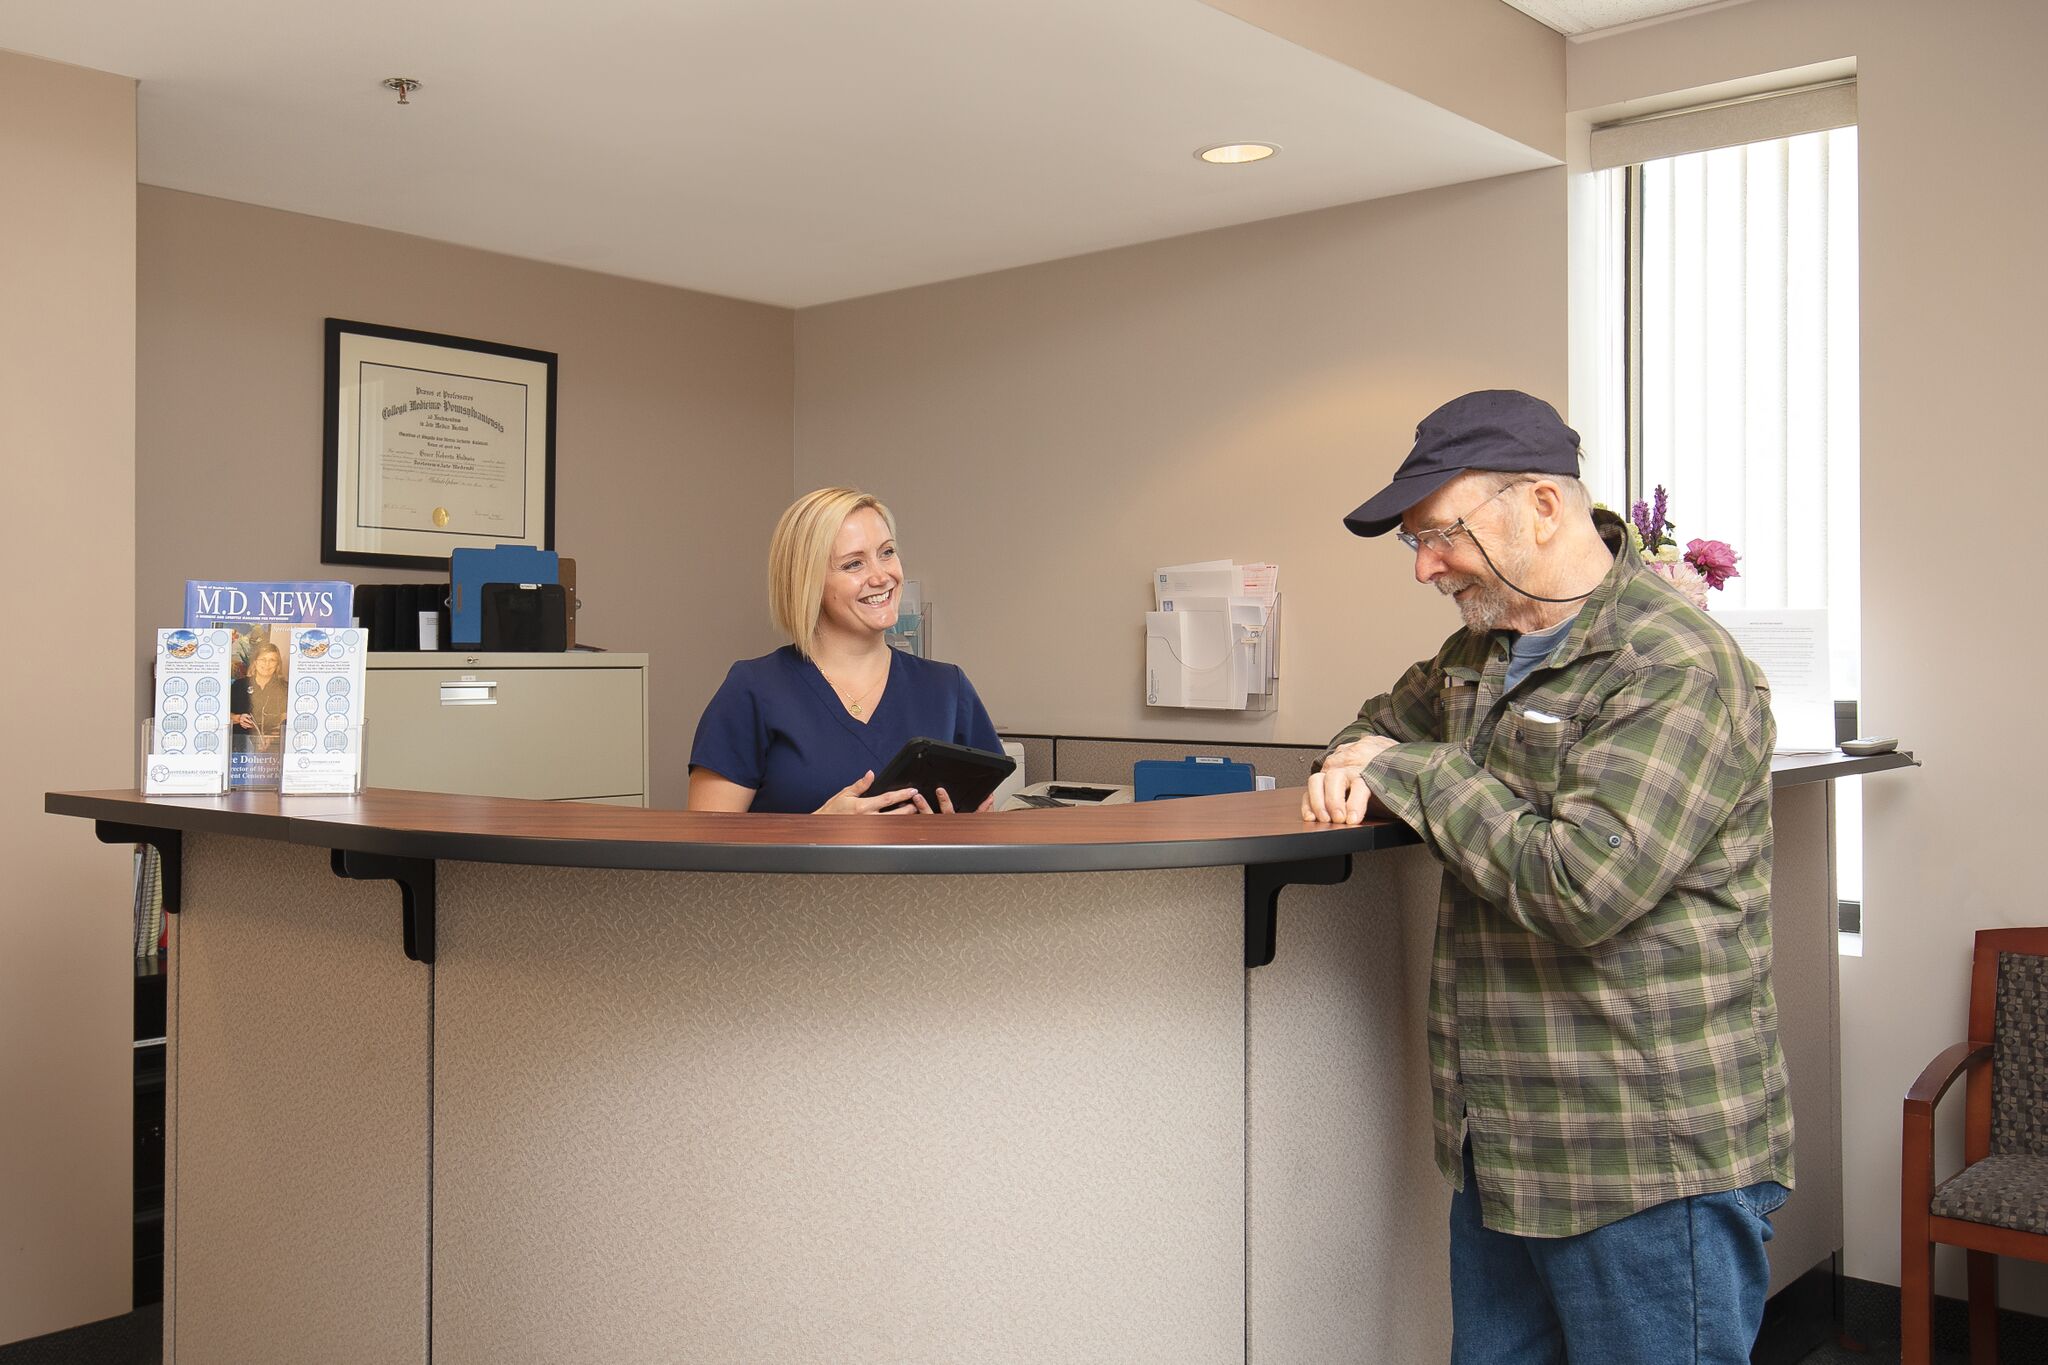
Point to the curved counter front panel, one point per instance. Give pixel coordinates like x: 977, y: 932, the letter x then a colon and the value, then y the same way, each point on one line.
x: 670, y: 1087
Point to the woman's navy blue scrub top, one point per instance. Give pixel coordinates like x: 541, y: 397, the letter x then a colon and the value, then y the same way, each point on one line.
x: 777, y: 726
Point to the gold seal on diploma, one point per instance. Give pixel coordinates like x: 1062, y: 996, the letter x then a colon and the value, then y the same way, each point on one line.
x: 440, y: 516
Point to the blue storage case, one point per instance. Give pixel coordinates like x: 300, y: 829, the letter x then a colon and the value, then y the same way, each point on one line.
x: 470, y: 569
x: 1158, y: 779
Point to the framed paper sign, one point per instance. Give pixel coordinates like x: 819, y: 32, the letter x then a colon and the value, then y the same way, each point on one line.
x: 434, y: 443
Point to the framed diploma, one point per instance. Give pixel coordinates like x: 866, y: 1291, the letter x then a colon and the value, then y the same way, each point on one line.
x: 433, y: 443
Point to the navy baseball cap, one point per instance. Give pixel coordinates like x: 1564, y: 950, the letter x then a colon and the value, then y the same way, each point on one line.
x: 1502, y: 430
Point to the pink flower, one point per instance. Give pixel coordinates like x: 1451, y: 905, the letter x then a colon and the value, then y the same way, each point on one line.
x: 1683, y: 576
x: 1715, y: 559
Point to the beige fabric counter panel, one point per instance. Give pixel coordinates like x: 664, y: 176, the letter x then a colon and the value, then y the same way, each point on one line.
x: 297, y: 1177
x: 1347, y: 1230
x: 783, y: 1118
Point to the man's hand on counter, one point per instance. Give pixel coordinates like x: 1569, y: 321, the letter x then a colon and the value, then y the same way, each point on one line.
x: 1337, y: 795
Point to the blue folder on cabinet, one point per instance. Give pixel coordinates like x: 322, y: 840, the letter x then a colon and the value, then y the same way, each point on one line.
x: 470, y: 569
x: 1157, y: 779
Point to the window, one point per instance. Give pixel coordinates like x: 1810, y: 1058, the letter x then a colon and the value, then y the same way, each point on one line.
x: 1734, y: 301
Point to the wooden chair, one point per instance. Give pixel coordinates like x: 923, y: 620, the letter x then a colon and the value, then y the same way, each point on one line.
x: 1997, y: 1205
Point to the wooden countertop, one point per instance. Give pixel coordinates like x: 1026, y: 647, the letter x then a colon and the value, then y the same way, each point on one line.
x: 1208, y: 831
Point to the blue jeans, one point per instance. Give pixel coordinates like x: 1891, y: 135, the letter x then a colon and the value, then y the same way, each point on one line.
x: 1681, y: 1283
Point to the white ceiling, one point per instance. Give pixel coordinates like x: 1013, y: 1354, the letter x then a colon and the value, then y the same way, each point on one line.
x: 788, y: 151
x: 1576, y: 18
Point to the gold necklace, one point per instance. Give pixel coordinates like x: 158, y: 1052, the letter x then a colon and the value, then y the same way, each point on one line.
x: 854, y: 705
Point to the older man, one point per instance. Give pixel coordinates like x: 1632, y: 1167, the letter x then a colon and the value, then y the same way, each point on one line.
x: 1589, y: 758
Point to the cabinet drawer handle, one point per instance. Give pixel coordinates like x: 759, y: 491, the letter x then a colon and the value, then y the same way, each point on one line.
x: 469, y: 692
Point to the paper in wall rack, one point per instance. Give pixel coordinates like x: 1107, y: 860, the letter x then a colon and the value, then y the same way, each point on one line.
x: 1213, y: 640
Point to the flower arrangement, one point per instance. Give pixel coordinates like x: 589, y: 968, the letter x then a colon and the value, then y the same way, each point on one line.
x: 1705, y: 563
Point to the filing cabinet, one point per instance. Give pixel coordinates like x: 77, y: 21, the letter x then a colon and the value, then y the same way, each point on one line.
x: 551, y: 727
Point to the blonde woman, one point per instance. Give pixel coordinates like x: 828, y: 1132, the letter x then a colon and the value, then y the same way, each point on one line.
x: 807, y: 727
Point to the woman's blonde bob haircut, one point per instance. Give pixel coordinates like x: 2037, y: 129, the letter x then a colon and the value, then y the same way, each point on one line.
x: 800, y: 555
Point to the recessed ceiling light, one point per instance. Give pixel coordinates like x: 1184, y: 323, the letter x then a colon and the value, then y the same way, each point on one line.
x: 1237, y: 153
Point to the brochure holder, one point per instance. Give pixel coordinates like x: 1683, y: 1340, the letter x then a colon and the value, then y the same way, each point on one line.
x: 185, y: 760
x: 311, y: 761
x: 320, y: 759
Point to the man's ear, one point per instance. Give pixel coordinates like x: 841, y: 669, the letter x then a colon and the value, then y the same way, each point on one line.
x: 1546, y: 501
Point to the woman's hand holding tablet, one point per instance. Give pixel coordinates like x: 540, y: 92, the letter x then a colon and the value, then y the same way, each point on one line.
x: 945, y: 777
x: 851, y: 800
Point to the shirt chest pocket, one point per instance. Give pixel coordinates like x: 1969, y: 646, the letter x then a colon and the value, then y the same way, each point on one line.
x: 1458, y: 705
x: 1528, y: 754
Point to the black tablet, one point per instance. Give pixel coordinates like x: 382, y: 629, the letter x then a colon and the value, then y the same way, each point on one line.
x: 968, y: 775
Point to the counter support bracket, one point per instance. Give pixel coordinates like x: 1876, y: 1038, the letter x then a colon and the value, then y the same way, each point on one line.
x: 169, y: 845
x: 1263, y: 883
x: 415, y: 878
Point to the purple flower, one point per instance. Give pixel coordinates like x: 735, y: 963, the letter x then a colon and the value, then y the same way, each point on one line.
x: 1715, y: 559
x: 1652, y: 521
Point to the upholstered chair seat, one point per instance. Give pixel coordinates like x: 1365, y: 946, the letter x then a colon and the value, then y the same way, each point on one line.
x: 2000, y: 1191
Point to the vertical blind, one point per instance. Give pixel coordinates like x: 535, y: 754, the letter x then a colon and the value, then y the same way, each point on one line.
x: 1747, y: 367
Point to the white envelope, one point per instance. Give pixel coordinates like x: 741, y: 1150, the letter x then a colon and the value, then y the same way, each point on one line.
x: 1190, y: 657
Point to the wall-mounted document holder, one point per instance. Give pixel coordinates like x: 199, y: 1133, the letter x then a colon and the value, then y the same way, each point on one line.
x: 912, y: 632
x: 1214, y: 642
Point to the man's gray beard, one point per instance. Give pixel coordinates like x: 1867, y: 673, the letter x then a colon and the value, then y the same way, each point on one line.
x: 1486, y: 608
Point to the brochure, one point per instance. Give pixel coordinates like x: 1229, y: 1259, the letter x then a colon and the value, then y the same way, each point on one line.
x: 188, y: 750
x: 323, y: 746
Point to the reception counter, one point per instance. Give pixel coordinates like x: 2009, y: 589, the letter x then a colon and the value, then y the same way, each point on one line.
x: 465, y: 1079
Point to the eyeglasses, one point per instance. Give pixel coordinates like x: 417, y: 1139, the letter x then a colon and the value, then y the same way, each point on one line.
x: 1441, y: 538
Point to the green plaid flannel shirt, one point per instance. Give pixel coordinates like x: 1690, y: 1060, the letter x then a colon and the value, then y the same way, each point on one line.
x: 1601, y: 1021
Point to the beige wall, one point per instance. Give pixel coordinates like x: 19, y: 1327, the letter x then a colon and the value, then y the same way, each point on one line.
x: 67, y: 464
x: 1050, y: 435
x: 1481, y: 59
x: 673, y: 427
x: 1951, y: 142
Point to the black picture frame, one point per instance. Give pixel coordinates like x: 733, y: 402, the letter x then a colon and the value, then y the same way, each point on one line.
x: 451, y: 446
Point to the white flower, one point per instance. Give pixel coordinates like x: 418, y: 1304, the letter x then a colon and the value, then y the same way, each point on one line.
x: 1684, y: 577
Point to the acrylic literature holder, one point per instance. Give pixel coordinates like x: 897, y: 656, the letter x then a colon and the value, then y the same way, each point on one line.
x: 326, y: 762
x: 321, y: 758
x: 188, y: 758
x: 238, y: 711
